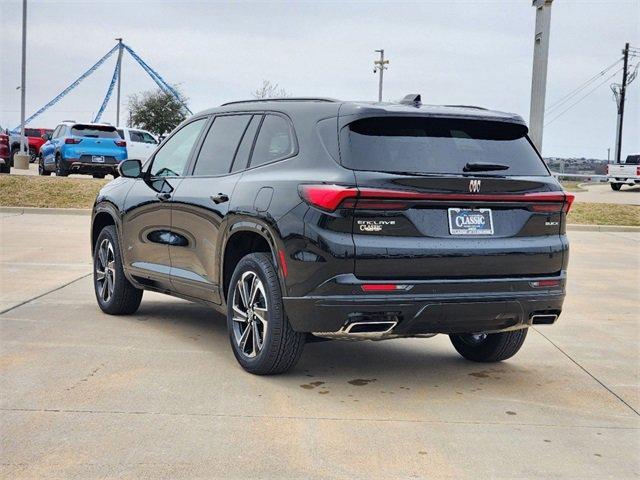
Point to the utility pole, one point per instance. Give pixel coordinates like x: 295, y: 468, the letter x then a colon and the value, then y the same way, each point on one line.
x: 539, y: 74
x: 120, y: 48
x: 380, y: 66
x: 621, y: 98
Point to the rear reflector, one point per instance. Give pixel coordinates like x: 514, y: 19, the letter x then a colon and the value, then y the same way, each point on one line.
x: 384, y: 287
x: 330, y: 197
x: 283, y: 263
x: 545, y: 283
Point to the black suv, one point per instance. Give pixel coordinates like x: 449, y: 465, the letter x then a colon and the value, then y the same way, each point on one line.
x: 307, y: 218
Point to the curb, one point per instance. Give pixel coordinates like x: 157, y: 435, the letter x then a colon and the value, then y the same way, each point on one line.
x: 49, y: 211
x: 572, y: 227
x: 576, y: 227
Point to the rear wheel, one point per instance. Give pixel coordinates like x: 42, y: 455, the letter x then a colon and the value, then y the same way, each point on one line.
x: 61, y: 171
x: 489, y: 347
x: 261, y: 337
x: 114, y: 293
x: 615, y: 186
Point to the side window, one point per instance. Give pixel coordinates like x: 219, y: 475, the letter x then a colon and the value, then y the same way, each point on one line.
x: 121, y: 133
x: 61, y: 131
x: 244, y: 150
x: 220, y: 144
x: 135, y: 136
x: 171, y: 160
x: 54, y: 134
x: 275, y: 140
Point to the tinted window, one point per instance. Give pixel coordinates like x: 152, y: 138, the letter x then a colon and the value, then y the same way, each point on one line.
x: 171, y: 160
x: 121, y: 133
x: 242, y: 156
x: 436, y: 145
x: 94, y: 131
x: 32, y: 132
x: 274, y: 141
x: 220, y: 144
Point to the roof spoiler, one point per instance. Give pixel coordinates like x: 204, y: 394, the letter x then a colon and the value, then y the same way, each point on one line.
x: 412, y: 99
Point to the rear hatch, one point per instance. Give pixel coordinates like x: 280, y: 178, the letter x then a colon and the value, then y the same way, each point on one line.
x: 96, y: 140
x: 451, y: 198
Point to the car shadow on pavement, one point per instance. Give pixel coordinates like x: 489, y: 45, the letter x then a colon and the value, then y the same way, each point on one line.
x: 423, y: 360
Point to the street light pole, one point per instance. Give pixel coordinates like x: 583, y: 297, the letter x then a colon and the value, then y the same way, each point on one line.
x: 23, y: 147
x: 539, y: 74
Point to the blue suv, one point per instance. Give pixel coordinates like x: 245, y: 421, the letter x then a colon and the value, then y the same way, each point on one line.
x: 89, y: 148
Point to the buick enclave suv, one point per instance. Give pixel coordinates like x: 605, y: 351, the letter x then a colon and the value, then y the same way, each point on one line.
x: 316, y: 218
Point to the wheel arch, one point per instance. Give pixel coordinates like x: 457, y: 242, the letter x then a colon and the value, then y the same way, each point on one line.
x: 242, y: 237
x: 103, y: 215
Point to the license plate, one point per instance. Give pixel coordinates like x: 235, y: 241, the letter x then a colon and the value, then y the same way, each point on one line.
x: 97, y: 159
x: 470, y: 221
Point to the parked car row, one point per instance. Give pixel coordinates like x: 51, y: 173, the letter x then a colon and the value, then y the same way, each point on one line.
x: 75, y: 147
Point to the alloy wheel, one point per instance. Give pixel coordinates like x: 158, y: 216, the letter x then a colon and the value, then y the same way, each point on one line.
x: 250, y: 309
x: 105, y: 270
x: 474, y: 338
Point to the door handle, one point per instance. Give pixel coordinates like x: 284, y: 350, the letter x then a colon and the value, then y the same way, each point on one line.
x: 163, y: 197
x: 220, y: 198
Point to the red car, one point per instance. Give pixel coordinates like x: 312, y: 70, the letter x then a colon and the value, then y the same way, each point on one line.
x: 5, y: 153
x: 34, y: 136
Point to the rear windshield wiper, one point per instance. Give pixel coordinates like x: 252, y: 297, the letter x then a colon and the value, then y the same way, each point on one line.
x: 484, y: 167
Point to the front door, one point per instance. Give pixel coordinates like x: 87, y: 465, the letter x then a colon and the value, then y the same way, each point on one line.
x: 147, y: 211
x: 202, y: 201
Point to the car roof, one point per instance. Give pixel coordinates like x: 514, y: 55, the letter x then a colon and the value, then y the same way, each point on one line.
x: 324, y: 105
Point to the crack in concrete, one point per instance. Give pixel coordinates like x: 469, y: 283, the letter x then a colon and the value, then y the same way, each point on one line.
x: 301, y: 417
x: 586, y: 371
x: 44, y: 294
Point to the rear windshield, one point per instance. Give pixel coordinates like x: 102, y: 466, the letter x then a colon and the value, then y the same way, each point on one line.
x: 32, y: 132
x: 94, y: 131
x: 439, y: 146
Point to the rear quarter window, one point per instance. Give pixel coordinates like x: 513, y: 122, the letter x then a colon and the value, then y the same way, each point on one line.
x: 425, y: 145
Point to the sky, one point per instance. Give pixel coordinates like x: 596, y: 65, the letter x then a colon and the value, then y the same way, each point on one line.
x: 451, y: 52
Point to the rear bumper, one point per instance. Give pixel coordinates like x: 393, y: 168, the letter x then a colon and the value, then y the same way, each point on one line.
x: 449, y: 307
x: 74, y: 165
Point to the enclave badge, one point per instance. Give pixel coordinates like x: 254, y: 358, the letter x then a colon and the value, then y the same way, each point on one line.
x: 474, y: 186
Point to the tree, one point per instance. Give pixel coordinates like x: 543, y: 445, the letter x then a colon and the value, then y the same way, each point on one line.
x: 156, y: 111
x: 269, y: 90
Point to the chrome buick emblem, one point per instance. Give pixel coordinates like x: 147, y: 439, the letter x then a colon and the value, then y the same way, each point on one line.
x: 474, y: 186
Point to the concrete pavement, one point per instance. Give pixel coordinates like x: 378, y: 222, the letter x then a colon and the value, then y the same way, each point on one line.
x: 602, y: 193
x: 159, y: 394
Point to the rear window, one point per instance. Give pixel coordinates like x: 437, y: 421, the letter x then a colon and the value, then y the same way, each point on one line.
x: 94, y: 131
x: 32, y: 132
x: 438, y: 146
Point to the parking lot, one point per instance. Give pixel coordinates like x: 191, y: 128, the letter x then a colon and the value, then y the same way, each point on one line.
x: 160, y: 395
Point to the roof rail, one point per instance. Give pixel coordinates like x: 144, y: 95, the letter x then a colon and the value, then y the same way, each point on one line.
x: 289, y: 99
x: 465, y: 106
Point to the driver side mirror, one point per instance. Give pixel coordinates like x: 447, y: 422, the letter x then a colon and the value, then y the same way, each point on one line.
x: 130, y: 168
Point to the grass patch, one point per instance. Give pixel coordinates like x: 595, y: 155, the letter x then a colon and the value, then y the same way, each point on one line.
x: 571, y: 186
x: 604, y: 214
x: 48, y: 192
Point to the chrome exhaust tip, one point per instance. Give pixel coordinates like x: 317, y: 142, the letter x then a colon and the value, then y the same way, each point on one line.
x: 543, y: 319
x: 369, y: 328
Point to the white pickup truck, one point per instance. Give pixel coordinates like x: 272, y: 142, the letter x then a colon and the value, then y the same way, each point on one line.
x: 624, y: 173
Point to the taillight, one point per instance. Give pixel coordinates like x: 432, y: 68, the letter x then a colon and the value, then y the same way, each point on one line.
x: 120, y: 143
x: 72, y: 141
x: 326, y: 197
x: 568, y: 201
x: 638, y: 171
x: 4, y: 139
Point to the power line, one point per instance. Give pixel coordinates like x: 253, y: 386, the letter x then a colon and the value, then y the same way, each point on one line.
x: 578, y: 89
x: 584, y: 96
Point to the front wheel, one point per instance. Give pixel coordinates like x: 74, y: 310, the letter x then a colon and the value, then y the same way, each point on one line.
x: 41, y: 169
x: 261, y: 337
x: 489, y: 347
x: 615, y: 186
x: 114, y: 293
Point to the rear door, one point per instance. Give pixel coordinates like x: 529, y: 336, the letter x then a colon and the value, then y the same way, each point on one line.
x: 202, y: 201
x: 451, y: 198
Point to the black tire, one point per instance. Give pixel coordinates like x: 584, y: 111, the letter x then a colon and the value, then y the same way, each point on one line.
x: 98, y: 175
x: 33, y: 155
x: 124, y: 299
x: 5, y: 167
x: 281, y: 345
x: 615, y: 186
x: 494, y: 347
x: 61, y: 170
x: 41, y: 169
